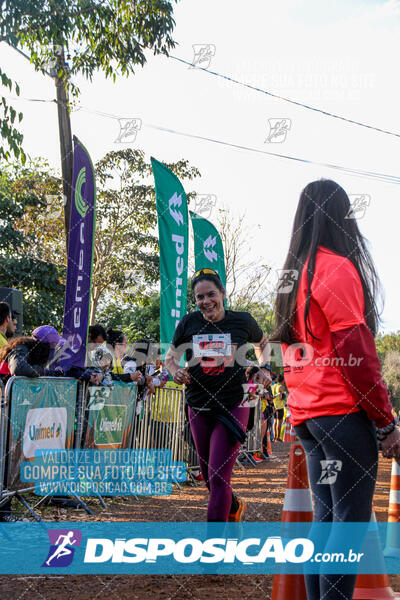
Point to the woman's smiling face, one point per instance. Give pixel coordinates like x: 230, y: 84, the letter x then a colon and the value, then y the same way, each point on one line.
x: 210, y: 300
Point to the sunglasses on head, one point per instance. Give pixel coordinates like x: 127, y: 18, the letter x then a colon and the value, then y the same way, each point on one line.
x: 205, y: 272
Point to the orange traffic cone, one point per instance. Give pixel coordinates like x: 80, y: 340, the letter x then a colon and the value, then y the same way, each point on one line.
x: 392, y: 537
x: 287, y: 436
x: 297, y: 507
x: 373, y: 587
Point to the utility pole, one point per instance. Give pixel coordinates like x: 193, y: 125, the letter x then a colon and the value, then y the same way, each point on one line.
x: 64, y: 126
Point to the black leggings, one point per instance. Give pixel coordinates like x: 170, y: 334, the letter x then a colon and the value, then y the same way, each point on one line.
x: 342, y: 461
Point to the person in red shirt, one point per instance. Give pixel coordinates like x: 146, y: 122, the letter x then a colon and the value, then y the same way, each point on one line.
x: 326, y: 317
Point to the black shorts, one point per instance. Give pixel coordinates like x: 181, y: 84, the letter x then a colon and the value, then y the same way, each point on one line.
x: 279, y: 413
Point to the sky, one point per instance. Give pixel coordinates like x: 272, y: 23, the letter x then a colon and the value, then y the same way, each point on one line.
x: 338, y: 56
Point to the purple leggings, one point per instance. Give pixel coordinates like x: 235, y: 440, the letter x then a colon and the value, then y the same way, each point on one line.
x: 217, y: 457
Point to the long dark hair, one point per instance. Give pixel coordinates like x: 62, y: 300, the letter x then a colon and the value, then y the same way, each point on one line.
x: 215, y: 279
x: 324, y: 218
x: 39, y: 352
x: 114, y: 336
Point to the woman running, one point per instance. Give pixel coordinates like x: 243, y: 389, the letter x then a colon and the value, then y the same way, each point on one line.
x: 215, y: 341
x: 338, y: 402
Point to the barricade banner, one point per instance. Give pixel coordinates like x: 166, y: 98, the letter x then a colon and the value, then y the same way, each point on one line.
x: 41, y: 416
x: 110, y: 416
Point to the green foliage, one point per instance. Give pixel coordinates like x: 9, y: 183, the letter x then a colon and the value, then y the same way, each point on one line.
x: 126, y: 262
x: 387, y: 343
x: 125, y: 270
x: 391, y: 375
x: 23, y: 261
x: 71, y: 37
x: 95, y: 35
x: 11, y: 136
x: 135, y: 321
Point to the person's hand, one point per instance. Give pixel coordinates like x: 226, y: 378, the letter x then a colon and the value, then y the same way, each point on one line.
x: 390, y: 446
x: 136, y: 376
x: 96, y: 378
x: 181, y: 376
x: 265, y: 377
x: 151, y: 388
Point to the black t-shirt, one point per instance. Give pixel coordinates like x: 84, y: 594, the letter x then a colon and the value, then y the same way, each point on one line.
x: 216, y: 353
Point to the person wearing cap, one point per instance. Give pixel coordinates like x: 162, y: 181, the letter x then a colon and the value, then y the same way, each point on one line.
x: 215, y: 341
x: 25, y: 356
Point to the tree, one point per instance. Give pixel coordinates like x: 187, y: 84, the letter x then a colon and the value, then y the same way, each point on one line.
x: 246, y: 274
x: 126, y: 264
x: 391, y: 374
x: 69, y: 37
x: 125, y: 269
x: 389, y: 342
x: 24, y: 261
x: 137, y: 322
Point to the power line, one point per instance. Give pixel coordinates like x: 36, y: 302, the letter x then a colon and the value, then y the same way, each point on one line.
x: 369, y: 174
x: 295, y: 102
x: 383, y: 177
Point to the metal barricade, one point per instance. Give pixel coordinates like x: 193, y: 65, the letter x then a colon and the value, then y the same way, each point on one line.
x: 253, y: 441
x: 40, y: 399
x: 23, y: 422
x: 161, y: 424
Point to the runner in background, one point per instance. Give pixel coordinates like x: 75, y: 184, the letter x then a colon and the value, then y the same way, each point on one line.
x: 278, y: 391
x: 215, y: 341
x: 329, y: 312
x: 271, y: 420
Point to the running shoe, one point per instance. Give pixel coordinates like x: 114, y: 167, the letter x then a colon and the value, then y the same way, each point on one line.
x: 257, y: 458
x: 238, y: 515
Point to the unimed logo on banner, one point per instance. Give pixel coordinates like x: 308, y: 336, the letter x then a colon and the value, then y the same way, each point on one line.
x: 62, y: 547
x: 110, y: 424
x: 45, y: 429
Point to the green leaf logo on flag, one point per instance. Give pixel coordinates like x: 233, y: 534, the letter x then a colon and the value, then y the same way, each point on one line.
x: 176, y: 201
x: 208, y: 246
x: 80, y: 203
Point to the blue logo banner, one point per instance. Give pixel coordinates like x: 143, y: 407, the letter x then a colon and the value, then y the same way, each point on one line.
x: 189, y: 548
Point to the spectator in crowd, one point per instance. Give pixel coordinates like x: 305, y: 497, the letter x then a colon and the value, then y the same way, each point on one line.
x: 48, y: 334
x: 150, y: 365
x: 12, y: 325
x: 118, y: 343
x: 5, y: 318
x: 279, y: 402
x: 97, y: 334
x: 271, y: 413
x: 258, y: 392
x: 25, y: 356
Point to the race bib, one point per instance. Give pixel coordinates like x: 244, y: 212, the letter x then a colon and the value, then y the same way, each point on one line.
x: 213, y: 344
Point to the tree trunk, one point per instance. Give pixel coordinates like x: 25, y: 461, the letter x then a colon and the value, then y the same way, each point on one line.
x: 93, y: 306
x: 64, y: 125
